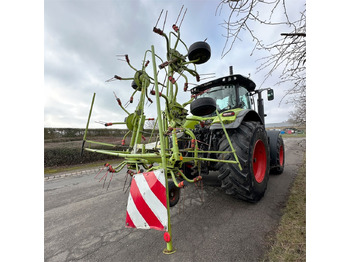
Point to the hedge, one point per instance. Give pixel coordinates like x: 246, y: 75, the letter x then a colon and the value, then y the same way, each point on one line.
x: 70, y: 156
x: 78, y: 133
x: 65, y: 153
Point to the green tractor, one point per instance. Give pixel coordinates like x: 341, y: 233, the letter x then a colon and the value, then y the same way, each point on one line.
x: 260, y: 152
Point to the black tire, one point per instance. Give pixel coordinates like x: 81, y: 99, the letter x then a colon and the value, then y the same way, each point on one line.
x: 277, y: 153
x: 199, y: 50
x: 174, y: 193
x: 203, y: 106
x: 251, y: 145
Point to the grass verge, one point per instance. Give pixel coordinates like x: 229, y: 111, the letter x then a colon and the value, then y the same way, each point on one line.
x: 289, y: 243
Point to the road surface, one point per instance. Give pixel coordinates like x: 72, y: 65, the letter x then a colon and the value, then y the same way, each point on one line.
x: 85, y: 222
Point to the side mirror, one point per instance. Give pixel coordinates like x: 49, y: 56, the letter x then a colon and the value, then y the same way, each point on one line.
x: 270, y: 95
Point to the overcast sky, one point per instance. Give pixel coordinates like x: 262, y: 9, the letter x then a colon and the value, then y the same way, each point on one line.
x: 82, y: 39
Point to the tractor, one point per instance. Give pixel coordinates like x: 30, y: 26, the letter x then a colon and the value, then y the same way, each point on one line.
x: 260, y: 152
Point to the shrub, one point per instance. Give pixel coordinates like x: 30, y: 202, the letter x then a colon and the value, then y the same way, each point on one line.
x: 70, y: 156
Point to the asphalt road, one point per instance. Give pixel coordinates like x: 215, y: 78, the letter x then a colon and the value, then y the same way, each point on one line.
x: 85, y: 222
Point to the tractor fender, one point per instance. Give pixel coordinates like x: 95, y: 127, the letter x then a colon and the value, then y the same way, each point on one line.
x: 246, y: 115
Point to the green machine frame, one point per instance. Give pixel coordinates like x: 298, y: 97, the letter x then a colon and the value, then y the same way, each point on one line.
x: 165, y: 151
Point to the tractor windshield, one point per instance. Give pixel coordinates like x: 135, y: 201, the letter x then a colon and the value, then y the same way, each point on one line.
x: 226, y: 97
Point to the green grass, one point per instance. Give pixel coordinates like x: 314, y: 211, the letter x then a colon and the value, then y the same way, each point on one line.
x: 289, y: 243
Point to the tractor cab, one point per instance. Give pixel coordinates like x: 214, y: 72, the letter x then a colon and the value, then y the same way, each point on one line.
x: 229, y: 92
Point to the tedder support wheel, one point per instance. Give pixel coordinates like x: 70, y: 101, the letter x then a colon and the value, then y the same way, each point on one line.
x: 174, y: 193
x: 199, y: 52
x: 252, y: 149
x: 203, y: 106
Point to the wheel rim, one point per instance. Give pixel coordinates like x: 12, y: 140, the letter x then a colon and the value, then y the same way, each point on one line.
x: 259, y: 161
x: 281, y: 156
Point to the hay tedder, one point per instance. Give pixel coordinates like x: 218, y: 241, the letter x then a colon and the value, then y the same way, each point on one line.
x: 223, y: 133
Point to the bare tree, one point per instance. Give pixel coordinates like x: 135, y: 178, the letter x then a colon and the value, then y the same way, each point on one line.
x: 287, y: 55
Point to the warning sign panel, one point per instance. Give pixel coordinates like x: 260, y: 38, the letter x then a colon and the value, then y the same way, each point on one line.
x: 147, y: 207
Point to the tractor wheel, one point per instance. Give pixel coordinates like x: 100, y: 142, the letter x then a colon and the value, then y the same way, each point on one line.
x: 199, y: 51
x: 277, y: 155
x: 251, y: 145
x: 174, y: 193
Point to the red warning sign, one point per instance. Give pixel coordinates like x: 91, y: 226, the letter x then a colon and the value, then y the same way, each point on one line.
x: 147, y: 207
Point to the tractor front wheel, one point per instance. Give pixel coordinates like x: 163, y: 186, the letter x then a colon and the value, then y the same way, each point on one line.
x: 277, y: 155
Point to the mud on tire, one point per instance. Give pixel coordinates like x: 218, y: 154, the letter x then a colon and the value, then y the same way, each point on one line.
x: 252, y: 149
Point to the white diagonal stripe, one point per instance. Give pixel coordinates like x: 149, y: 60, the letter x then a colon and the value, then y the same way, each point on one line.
x: 135, y: 215
x: 152, y: 201
x: 160, y: 176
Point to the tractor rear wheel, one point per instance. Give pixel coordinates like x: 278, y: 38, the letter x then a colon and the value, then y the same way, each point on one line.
x: 251, y: 145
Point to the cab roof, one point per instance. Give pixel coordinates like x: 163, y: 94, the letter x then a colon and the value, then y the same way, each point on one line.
x: 226, y: 80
